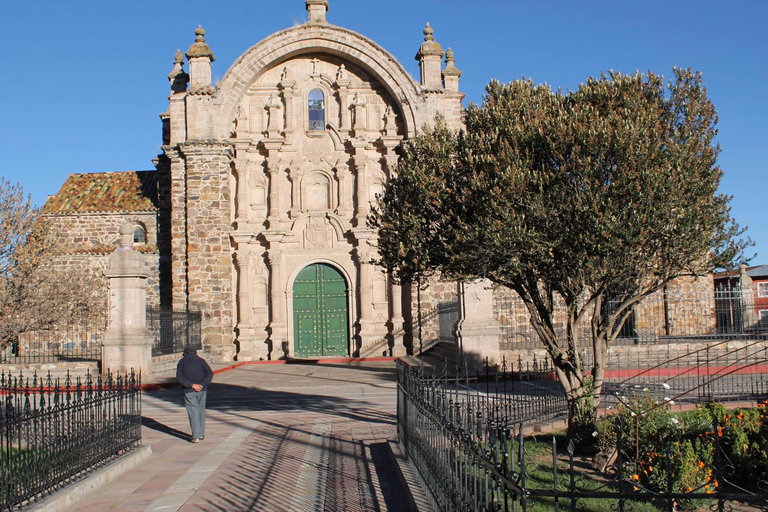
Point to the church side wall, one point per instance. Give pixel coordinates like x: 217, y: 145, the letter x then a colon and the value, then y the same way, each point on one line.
x: 436, y: 293
x: 688, y: 311
x: 88, y: 240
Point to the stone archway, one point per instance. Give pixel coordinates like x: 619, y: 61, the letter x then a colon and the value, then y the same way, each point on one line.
x: 320, y: 312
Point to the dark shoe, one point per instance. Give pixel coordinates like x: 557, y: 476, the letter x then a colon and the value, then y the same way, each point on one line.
x: 202, y: 437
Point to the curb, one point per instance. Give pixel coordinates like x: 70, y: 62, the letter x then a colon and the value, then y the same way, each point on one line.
x: 419, y: 497
x: 72, y: 493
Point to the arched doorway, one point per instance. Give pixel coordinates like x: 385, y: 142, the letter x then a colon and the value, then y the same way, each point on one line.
x: 320, y: 312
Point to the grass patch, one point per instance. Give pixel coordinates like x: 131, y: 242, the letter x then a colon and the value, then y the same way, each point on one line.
x: 540, y: 475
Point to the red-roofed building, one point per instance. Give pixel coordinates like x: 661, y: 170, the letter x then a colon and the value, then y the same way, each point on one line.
x: 751, y: 285
x: 89, y: 209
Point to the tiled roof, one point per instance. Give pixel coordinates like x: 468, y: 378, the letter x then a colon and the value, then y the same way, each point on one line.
x: 131, y: 191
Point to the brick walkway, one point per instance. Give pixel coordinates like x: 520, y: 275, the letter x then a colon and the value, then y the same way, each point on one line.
x: 278, y: 437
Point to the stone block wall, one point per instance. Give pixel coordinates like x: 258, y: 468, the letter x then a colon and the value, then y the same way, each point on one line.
x: 209, y: 249
x: 689, y: 310
x: 88, y: 239
x: 436, y: 292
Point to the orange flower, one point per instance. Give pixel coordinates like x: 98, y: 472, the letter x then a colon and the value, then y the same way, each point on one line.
x: 636, y: 476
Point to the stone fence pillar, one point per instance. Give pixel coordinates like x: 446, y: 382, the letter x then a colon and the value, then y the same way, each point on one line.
x: 127, y: 342
x: 747, y: 288
x: 478, y: 332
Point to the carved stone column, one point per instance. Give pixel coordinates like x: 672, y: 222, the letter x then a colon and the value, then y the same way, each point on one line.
x: 295, y: 175
x: 390, y: 156
x: 288, y: 86
x: 127, y: 342
x: 273, y: 126
x: 342, y: 83
x: 278, y: 330
x: 369, y: 332
x: 361, y: 172
x: 245, y: 311
x: 241, y: 182
x: 396, y: 294
x: 343, y: 176
x: 273, y: 167
x: 252, y: 346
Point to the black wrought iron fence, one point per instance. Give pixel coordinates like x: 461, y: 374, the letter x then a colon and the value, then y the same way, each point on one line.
x: 723, y: 372
x: 471, y: 454
x: 52, y: 431
x: 173, y: 330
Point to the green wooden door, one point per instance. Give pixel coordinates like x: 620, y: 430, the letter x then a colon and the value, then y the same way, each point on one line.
x: 320, y: 312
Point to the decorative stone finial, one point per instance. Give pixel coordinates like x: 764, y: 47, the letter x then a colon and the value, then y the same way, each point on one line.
x: 316, y: 11
x: 430, y: 58
x: 200, y: 48
x: 428, y: 31
x: 126, y: 237
x: 341, y: 74
x: 450, y: 65
x: 429, y: 46
x: 177, y: 77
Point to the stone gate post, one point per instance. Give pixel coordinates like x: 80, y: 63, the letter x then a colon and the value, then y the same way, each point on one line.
x: 477, y: 332
x: 127, y: 342
x: 746, y: 286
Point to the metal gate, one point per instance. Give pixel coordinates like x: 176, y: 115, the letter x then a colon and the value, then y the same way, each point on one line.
x: 320, y: 325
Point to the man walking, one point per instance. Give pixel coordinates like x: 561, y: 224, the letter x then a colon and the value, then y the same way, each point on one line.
x: 194, y: 375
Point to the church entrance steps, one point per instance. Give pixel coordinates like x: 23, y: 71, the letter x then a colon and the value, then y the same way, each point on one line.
x: 440, y: 355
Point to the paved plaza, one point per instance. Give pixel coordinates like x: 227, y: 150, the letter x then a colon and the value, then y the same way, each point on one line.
x: 293, y: 437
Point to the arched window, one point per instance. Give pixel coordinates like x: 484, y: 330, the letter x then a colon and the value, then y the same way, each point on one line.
x: 316, y: 104
x: 139, y: 236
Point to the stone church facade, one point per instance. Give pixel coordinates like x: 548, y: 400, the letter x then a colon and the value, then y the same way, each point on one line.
x: 264, y: 184
x: 256, y: 212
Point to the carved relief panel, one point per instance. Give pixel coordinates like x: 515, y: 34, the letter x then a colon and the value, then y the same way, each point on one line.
x: 318, y: 233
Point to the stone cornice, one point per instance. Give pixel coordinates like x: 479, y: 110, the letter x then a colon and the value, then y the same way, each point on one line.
x: 207, y: 147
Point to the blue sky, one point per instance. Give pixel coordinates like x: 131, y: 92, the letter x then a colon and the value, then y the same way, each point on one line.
x: 84, y: 81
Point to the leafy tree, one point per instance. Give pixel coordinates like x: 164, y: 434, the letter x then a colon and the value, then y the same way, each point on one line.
x: 37, y: 290
x: 412, y: 235
x: 606, y: 193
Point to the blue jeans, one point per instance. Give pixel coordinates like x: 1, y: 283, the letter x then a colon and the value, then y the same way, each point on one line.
x: 195, y: 404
